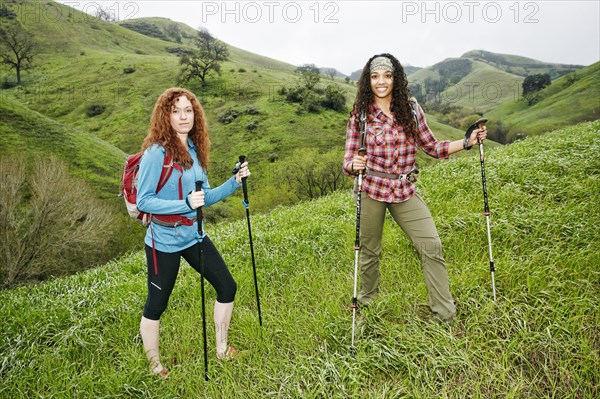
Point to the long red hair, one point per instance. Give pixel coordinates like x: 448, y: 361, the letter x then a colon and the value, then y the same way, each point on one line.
x: 161, y: 132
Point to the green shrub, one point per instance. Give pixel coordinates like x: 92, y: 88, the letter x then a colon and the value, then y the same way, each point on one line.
x: 295, y: 94
x: 334, y: 99
x: 312, y: 102
x: 177, y: 50
x: 7, y: 84
x: 145, y: 28
x: 252, y: 110
x: 7, y: 13
x: 229, y: 116
x: 94, y: 110
x: 252, y: 125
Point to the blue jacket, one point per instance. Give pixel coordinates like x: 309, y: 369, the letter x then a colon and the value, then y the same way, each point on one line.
x: 167, y: 202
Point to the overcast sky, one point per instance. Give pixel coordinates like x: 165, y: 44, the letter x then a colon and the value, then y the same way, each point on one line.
x: 344, y: 34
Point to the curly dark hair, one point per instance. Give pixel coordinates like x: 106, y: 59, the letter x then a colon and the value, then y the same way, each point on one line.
x: 161, y: 132
x: 400, y: 106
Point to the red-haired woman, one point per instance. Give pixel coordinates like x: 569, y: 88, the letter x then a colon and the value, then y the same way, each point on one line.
x: 179, y: 130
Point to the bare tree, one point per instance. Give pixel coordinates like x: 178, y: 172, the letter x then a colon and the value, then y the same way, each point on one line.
x: 50, y: 223
x: 331, y: 72
x: 205, y: 59
x: 18, y: 48
x: 104, y: 14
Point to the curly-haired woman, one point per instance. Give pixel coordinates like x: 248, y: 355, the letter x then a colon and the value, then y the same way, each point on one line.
x: 178, y: 130
x: 392, y: 138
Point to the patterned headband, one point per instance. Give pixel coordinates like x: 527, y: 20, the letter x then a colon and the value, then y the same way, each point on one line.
x: 381, y: 63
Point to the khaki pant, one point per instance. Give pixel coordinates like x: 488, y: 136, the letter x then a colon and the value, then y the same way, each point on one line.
x: 415, y: 220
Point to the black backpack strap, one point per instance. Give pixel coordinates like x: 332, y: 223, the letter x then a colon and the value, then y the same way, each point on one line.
x: 414, y: 105
x: 363, y: 131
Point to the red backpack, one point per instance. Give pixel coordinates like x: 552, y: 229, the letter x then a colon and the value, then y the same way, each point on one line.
x: 129, y: 183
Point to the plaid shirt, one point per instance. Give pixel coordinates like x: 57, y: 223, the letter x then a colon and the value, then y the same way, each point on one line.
x: 389, y: 150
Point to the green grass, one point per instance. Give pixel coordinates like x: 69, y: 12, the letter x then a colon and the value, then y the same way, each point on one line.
x: 78, y: 336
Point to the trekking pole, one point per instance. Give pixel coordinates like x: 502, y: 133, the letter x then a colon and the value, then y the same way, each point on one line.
x: 361, y: 151
x: 247, y: 205
x: 486, y: 209
x: 200, y: 236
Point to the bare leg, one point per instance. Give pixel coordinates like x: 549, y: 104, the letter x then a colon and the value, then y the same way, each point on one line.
x: 222, y: 316
x: 149, y: 330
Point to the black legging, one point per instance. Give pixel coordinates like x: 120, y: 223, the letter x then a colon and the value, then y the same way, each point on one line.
x: 161, y: 285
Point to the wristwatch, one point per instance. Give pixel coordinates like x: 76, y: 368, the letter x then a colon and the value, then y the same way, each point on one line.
x: 466, y: 145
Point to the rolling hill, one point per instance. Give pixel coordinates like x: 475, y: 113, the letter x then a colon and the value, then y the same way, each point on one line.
x: 480, y: 80
x: 519, y: 65
x: 477, y: 85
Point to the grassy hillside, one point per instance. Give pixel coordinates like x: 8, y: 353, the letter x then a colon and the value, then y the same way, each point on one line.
x: 84, y: 62
x: 568, y: 100
x: 66, y: 32
x: 78, y: 336
x: 479, y: 89
x: 26, y: 132
x: 484, y: 88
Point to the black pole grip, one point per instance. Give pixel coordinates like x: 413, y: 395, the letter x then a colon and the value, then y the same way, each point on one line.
x: 244, y: 187
x: 477, y: 125
x: 237, y: 167
x: 199, y: 184
x: 241, y: 160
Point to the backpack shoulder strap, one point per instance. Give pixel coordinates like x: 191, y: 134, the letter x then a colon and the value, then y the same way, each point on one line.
x: 167, y: 169
x: 414, y: 105
x: 165, y: 173
x: 363, y: 131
